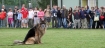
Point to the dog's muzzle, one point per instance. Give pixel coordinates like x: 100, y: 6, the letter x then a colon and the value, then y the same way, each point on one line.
x: 43, y: 26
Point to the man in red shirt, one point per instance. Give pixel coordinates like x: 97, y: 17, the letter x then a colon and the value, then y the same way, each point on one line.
x: 24, y: 12
x: 2, y: 17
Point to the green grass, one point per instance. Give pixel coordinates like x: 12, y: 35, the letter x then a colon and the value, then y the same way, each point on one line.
x: 57, y: 38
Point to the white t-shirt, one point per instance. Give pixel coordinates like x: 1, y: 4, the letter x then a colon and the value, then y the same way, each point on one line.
x: 31, y: 14
x: 36, y: 12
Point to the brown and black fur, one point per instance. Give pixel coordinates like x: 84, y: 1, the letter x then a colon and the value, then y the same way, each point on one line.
x: 34, y: 35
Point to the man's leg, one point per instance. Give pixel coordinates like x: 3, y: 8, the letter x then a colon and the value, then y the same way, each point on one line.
x: 93, y: 26
x: 82, y: 22
x: 56, y: 21
x: 0, y: 24
x: 52, y: 22
x: 31, y: 23
x: 75, y: 24
x: 85, y: 23
x: 78, y: 21
x: 104, y: 24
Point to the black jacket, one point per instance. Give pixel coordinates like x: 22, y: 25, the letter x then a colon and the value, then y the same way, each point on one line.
x: 59, y: 14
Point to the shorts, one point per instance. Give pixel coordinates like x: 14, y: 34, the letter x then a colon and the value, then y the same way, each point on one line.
x: 48, y: 19
x: 24, y: 21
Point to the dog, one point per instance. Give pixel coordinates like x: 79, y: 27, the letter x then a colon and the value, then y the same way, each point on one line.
x: 34, y: 35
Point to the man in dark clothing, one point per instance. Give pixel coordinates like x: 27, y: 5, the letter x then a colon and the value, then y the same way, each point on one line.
x: 76, y: 19
x: 64, y: 16
x: 83, y: 18
x: 15, y: 14
x: 54, y: 16
x: 59, y: 18
x: 92, y: 14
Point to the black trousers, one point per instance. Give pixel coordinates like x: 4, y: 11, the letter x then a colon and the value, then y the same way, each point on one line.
x: 30, y: 23
x: 15, y: 23
x: 54, y: 22
x: 94, y: 26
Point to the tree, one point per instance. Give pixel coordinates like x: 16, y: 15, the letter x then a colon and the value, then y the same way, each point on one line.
x: 44, y: 3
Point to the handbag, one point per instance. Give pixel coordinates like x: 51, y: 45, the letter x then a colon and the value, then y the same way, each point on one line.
x: 96, y: 18
x: 102, y: 17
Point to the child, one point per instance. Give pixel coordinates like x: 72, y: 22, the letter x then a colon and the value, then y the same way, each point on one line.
x: 10, y: 17
x: 19, y: 18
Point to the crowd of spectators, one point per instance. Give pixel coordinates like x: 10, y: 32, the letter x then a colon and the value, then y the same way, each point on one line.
x: 79, y: 17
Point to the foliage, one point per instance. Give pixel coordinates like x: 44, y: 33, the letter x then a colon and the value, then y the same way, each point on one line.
x: 44, y: 3
x: 15, y: 2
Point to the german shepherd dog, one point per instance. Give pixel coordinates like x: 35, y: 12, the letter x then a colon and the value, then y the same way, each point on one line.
x: 34, y: 35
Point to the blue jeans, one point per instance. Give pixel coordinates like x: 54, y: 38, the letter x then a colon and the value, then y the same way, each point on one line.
x: 59, y: 22
x: 64, y: 20
x: 1, y: 23
x: 90, y: 23
x: 104, y: 24
x: 18, y: 23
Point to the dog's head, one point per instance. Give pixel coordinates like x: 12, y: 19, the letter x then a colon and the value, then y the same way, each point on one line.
x: 42, y: 24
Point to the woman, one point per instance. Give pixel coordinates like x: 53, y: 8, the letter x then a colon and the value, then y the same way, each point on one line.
x: 92, y: 13
x: 41, y: 14
x: 47, y: 12
x: 70, y: 14
x: 102, y: 15
x: 103, y: 20
x: 97, y: 14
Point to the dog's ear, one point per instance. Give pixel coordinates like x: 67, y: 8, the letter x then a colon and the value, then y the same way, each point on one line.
x: 42, y: 19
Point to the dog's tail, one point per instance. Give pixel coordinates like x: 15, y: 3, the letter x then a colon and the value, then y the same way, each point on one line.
x: 18, y: 42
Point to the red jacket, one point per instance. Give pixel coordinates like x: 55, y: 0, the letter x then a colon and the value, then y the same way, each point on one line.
x: 2, y: 15
x: 24, y: 12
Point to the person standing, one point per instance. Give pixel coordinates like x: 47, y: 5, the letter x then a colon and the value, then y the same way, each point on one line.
x: 36, y: 20
x: 24, y: 12
x: 104, y: 18
x: 54, y: 16
x: 19, y: 18
x: 77, y: 19
x: 83, y: 18
x: 96, y: 18
x: 89, y: 20
x: 5, y: 19
x: 64, y: 16
x: 47, y: 12
x: 92, y: 14
x: 30, y: 18
x: 41, y: 14
x: 2, y: 17
x: 15, y: 14
x: 10, y: 18
x: 59, y: 18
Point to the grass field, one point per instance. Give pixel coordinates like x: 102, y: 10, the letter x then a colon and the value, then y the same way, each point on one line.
x: 56, y: 38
